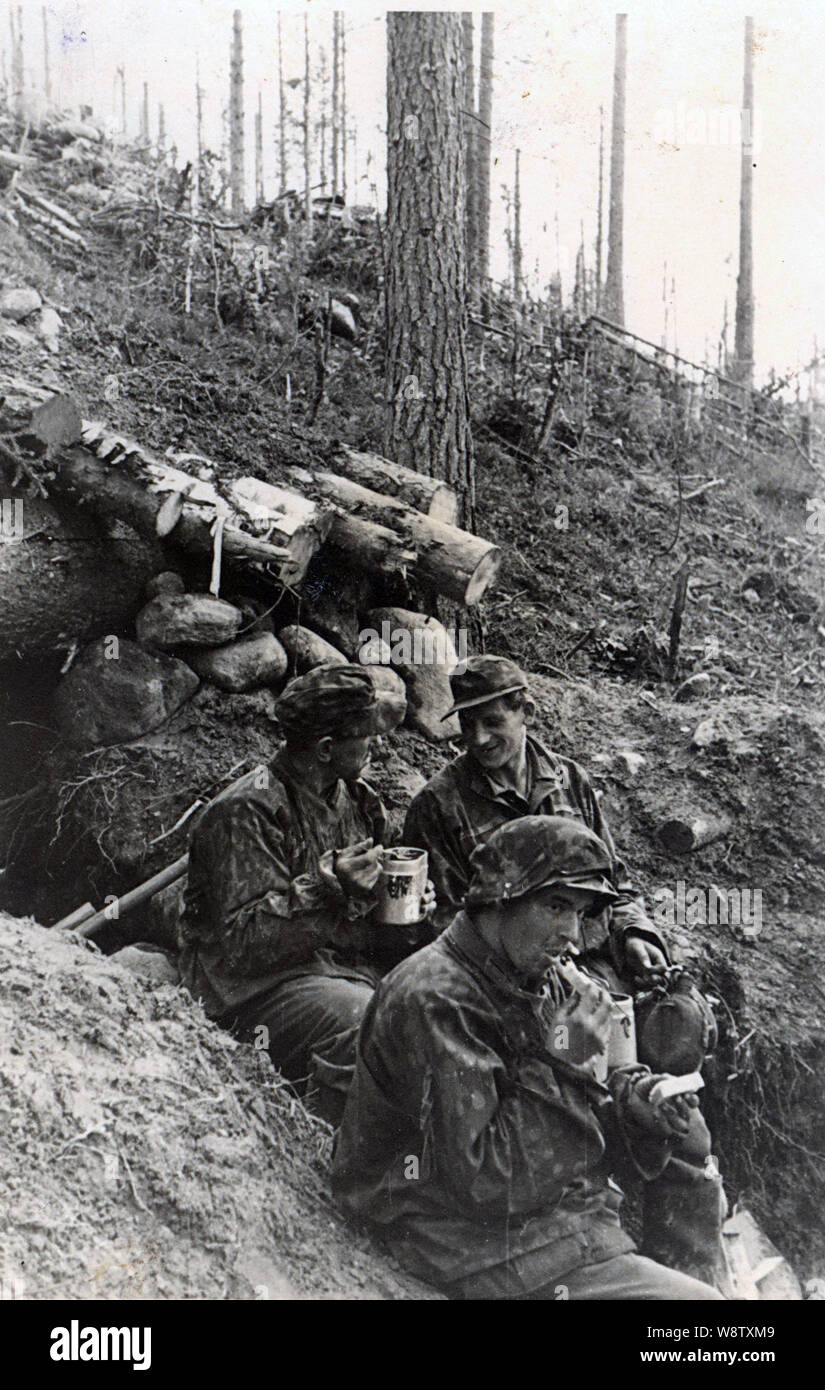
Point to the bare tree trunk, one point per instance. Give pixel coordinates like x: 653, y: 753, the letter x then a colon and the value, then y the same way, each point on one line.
x: 336, y: 98
x: 482, y: 161
x: 517, y: 256
x: 17, y: 75
x: 427, y: 416
x: 259, y: 152
x: 323, y: 82
x: 307, y: 182
x: 144, y: 116
x: 600, y: 214
x: 236, y: 141
x: 743, y: 342
x: 343, y: 61
x: 614, y: 287
x: 47, y: 72
x: 198, y: 181
x: 161, y: 130
x: 468, y: 126
x: 122, y: 75
x: 281, y: 115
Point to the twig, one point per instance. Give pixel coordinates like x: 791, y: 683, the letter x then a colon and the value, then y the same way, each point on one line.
x: 697, y: 491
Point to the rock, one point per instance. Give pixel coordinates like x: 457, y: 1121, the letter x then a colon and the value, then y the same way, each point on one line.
x: 306, y: 649
x: 116, y: 691
x: 153, y: 965
x: 252, y: 661
x: 694, y: 687
x: 423, y: 654
x: 19, y: 304
x: 392, y: 697
x: 343, y: 323
x: 187, y: 620
x: 167, y: 582
x: 53, y: 425
x: 751, y: 596
x: 49, y: 324
x: 13, y: 333
x: 88, y: 193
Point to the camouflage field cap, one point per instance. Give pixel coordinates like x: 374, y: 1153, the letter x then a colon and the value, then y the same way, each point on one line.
x: 484, y: 678
x: 539, y: 852
x: 341, y: 700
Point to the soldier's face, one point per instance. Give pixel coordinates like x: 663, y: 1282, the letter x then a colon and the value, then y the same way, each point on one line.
x: 493, y: 733
x: 544, y: 925
x: 349, y: 756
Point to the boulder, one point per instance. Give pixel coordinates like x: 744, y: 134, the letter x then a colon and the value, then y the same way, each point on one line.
x: 167, y: 582
x: 49, y: 324
x: 53, y: 425
x: 392, y: 697
x: 306, y: 649
x: 343, y: 323
x: 18, y: 304
x: 252, y: 661
x: 187, y: 620
x: 116, y: 691
x: 423, y: 654
x: 694, y: 687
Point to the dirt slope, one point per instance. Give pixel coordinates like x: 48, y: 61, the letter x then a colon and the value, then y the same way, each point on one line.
x: 145, y: 1154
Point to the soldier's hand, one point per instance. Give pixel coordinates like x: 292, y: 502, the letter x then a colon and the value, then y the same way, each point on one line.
x: 669, y: 1117
x: 581, y: 1024
x: 357, y: 867
x: 643, y: 957
x: 428, y: 903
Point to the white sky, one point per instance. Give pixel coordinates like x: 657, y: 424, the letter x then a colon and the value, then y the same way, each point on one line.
x: 553, y: 69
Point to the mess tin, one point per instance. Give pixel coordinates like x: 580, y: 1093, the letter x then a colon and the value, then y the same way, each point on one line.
x: 402, y: 885
x: 621, y: 1044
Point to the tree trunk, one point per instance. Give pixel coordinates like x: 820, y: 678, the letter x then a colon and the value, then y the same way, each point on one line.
x: 743, y: 343
x: 688, y: 831
x: 468, y: 126
x: 482, y: 160
x: 614, y: 287
x: 121, y: 72
x: 236, y: 143
x: 600, y: 214
x: 343, y: 64
x: 428, y: 495
x: 336, y: 98
x: 427, y: 416
x: 259, y: 152
x: 323, y: 80
x: 450, y: 561
x: 144, y: 116
x: 197, y: 184
x: 281, y: 115
x: 517, y: 258
x: 161, y: 130
x: 47, y: 72
x: 17, y: 74
x: 307, y: 182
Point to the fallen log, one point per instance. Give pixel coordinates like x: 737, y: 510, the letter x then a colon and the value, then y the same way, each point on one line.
x: 431, y: 496
x: 454, y: 562
x: 682, y: 833
x: 112, y: 493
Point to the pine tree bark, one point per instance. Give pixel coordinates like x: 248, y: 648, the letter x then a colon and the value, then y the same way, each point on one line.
x: 743, y: 341
x: 259, y: 152
x: 427, y: 417
x: 336, y: 98
x: 600, y: 214
x: 482, y: 160
x: 281, y: 115
x: 47, y: 72
x: 236, y: 136
x: 468, y: 125
x: 307, y: 183
x: 614, y: 286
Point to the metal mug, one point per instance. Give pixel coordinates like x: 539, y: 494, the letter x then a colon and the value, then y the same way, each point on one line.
x: 401, y: 885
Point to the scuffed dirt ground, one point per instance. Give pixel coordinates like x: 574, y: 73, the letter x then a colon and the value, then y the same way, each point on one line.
x: 146, y: 1154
